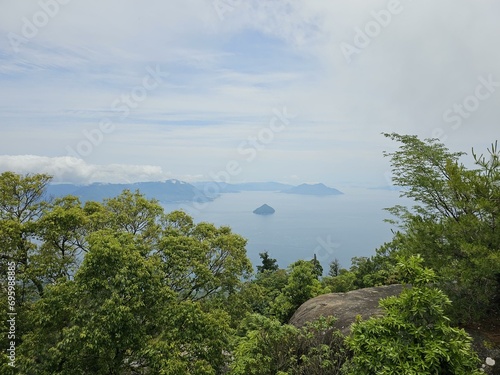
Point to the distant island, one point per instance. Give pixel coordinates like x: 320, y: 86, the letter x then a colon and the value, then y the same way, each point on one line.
x: 171, y: 191
x: 264, y: 210
x: 312, y: 189
x: 168, y: 191
x: 224, y: 187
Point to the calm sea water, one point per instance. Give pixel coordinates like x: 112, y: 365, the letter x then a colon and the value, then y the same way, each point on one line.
x: 340, y: 226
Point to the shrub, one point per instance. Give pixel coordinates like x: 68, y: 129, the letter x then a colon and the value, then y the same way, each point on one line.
x: 414, y: 337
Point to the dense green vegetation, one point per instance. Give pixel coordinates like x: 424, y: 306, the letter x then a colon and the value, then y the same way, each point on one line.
x: 121, y: 287
x: 454, y: 226
x: 414, y: 336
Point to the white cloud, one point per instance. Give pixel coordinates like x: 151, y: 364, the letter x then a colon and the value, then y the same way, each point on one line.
x: 73, y: 170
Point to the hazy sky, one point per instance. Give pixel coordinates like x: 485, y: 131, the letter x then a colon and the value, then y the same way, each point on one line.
x: 286, y: 90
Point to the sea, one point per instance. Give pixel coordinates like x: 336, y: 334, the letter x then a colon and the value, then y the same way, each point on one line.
x: 330, y: 227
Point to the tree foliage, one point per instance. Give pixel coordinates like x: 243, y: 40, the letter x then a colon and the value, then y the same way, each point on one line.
x: 454, y: 224
x: 364, y: 272
x: 115, y: 287
x: 267, y: 347
x: 414, y: 336
x: 302, y: 284
x: 268, y: 263
x: 334, y: 268
x: 21, y: 205
x: 121, y: 287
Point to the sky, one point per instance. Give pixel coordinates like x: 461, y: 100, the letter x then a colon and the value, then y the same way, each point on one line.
x: 241, y: 90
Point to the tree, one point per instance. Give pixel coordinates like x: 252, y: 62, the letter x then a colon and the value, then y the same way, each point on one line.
x: 268, y: 264
x: 269, y: 286
x: 118, y: 316
x: 266, y: 347
x: 414, y: 336
x: 201, y: 260
x: 334, y: 268
x: 364, y: 272
x: 454, y: 223
x: 21, y: 205
x: 98, y: 322
x: 116, y: 286
x: 133, y: 213
x: 302, y: 285
x: 344, y: 282
x: 253, y: 296
x: 318, y: 269
x: 61, y: 231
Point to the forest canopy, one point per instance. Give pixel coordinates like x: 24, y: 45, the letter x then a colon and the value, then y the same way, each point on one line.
x: 123, y: 287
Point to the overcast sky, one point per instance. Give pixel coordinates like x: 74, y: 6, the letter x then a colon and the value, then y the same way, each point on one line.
x: 286, y: 90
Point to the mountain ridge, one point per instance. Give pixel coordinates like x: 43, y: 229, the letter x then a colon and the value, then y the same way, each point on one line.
x: 168, y: 191
x: 312, y: 189
x: 174, y: 191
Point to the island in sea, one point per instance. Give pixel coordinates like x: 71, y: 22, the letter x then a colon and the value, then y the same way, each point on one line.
x: 312, y: 189
x: 264, y: 210
x: 170, y: 191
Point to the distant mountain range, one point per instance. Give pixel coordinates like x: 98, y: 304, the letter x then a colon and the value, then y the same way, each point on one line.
x: 223, y: 187
x: 314, y: 189
x: 165, y: 191
x: 171, y: 191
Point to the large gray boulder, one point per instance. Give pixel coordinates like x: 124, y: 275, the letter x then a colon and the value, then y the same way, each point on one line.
x: 345, y: 306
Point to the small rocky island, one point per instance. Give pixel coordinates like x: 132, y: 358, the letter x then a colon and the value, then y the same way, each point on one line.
x: 264, y: 210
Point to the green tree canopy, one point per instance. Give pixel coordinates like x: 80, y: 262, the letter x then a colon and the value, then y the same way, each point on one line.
x: 267, y: 347
x: 302, y: 284
x: 268, y: 263
x: 454, y: 223
x: 414, y: 336
x: 115, y: 287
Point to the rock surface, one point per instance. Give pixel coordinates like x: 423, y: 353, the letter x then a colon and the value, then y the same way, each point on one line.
x: 345, y: 306
x: 264, y: 210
